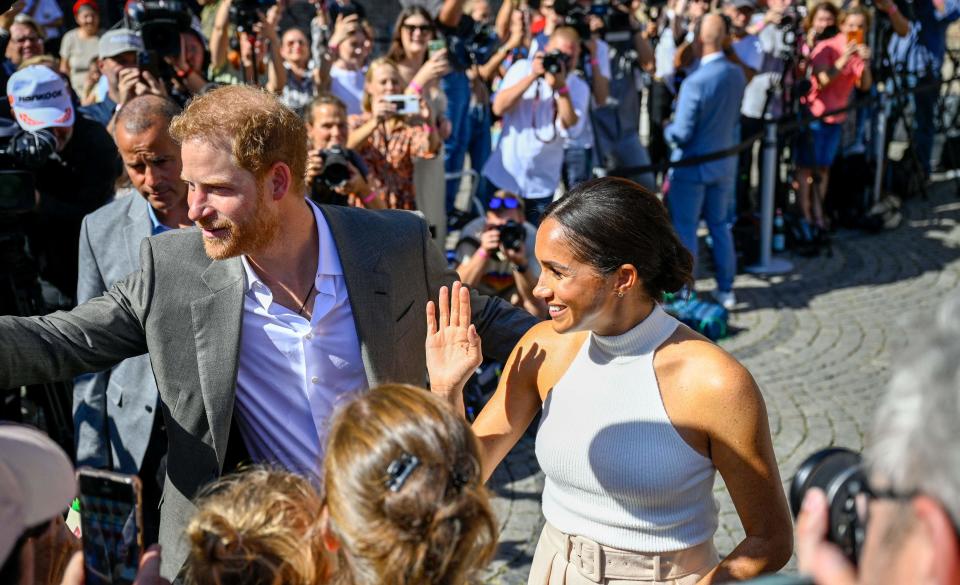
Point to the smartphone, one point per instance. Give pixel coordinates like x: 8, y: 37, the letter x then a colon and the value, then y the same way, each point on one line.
x: 435, y: 46
x: 111, y: 522
x: 149, y: 61
x: 407, y: 105
x: 855, y: 36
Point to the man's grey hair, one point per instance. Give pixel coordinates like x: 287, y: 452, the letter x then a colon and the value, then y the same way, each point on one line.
x: 146, y: 111
x: 916, y: 436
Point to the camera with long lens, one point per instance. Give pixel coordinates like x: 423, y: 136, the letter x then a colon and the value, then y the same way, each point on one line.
x: 839, y: 473
x: 159, y: 24
x: 555, y: 62
x: 22, y: 153
x: 334, y: 174
x: 246, y: 13
x: 512, y: 235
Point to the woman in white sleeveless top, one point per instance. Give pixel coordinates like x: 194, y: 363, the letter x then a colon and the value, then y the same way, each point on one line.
x: 639, y: 411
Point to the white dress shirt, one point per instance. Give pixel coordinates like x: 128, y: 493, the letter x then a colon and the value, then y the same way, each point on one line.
x: 293, y: 371
x: 530, y: 154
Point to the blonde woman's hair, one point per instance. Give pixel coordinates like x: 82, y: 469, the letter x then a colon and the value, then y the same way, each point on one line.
x: 253, y: 125
x: 368, y: 78
x: 404, y: 491
x: 257, y: 527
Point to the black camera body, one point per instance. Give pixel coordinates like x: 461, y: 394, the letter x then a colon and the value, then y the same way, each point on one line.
x: 512, y: 235
x: 334, y: 173
x: 471, y: 45
x: 839, y: 473
x: 159, y: 23
x: 246, y: 13
x: 556, y: 62
x: 22, y: 153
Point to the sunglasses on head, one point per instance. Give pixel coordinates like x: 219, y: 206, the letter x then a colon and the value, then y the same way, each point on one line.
x: 503, y: 203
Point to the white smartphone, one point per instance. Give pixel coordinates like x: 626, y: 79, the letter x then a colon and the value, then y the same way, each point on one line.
x: 407, y: 105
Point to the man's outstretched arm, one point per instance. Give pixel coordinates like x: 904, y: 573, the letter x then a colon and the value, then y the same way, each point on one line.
x: 92, y: 337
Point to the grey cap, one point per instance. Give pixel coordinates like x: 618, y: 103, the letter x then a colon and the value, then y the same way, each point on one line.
x: 119, y: 40
x: 751, y: 4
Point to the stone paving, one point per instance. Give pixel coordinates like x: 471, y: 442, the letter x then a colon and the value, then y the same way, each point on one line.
x: 820, y: 342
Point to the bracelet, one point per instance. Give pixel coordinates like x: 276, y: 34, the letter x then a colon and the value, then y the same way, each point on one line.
x: 333, y: 48
x: 594, y: 62
x: 482, y: 252
x: 565, y: 90
x: 183, y: 73
x: 427, y: 128
x: 415, y: 87
x: 373, y: 195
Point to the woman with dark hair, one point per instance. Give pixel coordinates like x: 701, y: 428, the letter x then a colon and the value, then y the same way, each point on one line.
x: 638, y: 411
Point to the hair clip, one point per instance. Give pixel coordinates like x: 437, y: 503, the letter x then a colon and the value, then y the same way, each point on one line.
x: 400, y: 469
x: 458, y: 479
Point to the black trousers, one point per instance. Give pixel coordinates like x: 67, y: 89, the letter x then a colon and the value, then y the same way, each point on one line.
x: 659, y: 108
x: 746, y: 201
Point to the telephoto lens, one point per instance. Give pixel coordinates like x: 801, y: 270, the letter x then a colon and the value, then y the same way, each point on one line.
x: 839, y: 473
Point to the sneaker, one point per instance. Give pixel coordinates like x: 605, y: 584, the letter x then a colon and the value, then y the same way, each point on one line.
x: 727, y: 299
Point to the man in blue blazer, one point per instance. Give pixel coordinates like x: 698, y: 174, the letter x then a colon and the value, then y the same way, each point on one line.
x: 707, y: 120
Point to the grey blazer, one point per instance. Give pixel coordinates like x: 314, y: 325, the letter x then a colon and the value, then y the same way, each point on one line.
x: 113, y: 410
x: 186, y: 310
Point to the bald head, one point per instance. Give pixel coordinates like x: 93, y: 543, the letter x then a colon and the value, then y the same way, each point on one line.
x: 146, y: 111
x: 712, y: 32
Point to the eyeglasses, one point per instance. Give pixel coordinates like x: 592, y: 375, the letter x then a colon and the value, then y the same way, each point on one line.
x: 503, y: 203
x: 25, y: 40
x: 423, y: 28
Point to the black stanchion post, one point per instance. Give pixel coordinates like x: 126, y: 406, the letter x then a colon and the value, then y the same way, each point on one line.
x: 768, y: 185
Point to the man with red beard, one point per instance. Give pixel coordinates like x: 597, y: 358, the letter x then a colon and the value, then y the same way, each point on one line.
x: 259, y: 322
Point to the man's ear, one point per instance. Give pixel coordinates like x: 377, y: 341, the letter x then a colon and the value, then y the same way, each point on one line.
x: 942, y: 563
x: 330, y: 541
x: 279, y: 180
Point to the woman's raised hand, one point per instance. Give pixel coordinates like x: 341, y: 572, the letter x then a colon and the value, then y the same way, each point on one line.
x: 452, y: 345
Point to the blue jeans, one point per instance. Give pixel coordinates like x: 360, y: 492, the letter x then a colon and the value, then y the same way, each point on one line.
x: 479, y: 142
x: 577, y: 165
x: 924, y: 118
x: 457, y: 87
x: 687, y: 201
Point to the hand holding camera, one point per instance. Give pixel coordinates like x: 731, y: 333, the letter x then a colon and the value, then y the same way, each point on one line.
x: 555, y: 65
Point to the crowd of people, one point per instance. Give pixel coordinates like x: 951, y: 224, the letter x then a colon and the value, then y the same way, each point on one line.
x: 243, y: 217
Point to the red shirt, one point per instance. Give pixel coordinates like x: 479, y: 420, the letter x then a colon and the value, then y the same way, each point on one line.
x: 836, y: 94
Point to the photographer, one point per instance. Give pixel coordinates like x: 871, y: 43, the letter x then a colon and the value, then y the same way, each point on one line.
x: 495, y: 254
x: 540, y: 105
x: 912, y: 513
x: 326, y: 119
x: 917, y: 51
x: 257, y: 60
x: 75, y: 181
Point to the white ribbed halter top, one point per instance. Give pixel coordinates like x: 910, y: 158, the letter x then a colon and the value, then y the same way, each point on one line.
x: 617, y: 471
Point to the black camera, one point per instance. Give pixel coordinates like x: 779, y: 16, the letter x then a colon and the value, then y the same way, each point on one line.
x: 21, y: 154
x: 839, y: 473
x: 471, y: 45
x: 159, y: 23
x: 336, y: 167
x: 791, y: 19
x: 246, y: 13
x: 512, y: 235
x: 555, y: 62
x: 575, y: 16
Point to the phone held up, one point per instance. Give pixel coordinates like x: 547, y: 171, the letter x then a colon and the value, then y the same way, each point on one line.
x: 407, y: 105
x: 435, y: 46
x: 111, y: 522
x: 855, y: 36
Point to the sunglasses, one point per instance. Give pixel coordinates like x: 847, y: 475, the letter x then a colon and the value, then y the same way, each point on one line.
x: 423, y: 28
x: 503, y: 203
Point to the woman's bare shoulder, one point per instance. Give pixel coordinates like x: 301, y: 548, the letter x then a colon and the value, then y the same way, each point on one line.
x: 544, y: 355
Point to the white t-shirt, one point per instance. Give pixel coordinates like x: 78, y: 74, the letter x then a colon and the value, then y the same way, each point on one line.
x: 348, y: 86
x: 529, y: 157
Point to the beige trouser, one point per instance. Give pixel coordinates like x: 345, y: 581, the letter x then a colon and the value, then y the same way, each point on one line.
x: 562, y: 559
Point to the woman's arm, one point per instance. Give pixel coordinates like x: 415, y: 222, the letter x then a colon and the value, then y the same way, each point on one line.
x: 219, y: 37
x: 732, y: 413
x: 359, y: 135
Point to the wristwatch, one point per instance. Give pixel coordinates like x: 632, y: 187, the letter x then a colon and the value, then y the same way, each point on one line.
x: 519, y: 268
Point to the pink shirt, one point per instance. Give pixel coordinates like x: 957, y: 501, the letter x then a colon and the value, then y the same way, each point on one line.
x: 837, y: 94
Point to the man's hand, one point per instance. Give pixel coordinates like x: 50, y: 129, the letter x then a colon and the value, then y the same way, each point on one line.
x: 382, y: 109
x: 517, y: 256
x: 343, y: 28
x: 816, y: 556
x: 355, y: 185
x: 490, y: 240
x: 452, y: 345
x: 314, y: 165
x: 557, y: 80
x: 6, y: 19
x: 537, y: 65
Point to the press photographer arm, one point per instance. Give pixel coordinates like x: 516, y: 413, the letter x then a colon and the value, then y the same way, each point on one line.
x: 276, y: 73
x: 508, y: 97
x: 599, y: 84
x: 489, y: 70
x: 220, y: 37
x: 565, y: 111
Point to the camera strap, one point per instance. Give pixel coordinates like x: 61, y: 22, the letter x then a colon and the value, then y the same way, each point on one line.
x: 536, y: 107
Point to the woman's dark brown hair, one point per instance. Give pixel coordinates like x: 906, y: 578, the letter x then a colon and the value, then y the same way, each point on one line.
x: 396, y: 52
x: 404, y: 491
x: 611, y: 222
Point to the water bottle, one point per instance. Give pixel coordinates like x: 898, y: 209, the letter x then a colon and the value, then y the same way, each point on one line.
x: 779, y: 236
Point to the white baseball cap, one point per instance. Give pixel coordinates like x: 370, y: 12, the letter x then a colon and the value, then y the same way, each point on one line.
x: 36, y: 482
x: 39, y: 98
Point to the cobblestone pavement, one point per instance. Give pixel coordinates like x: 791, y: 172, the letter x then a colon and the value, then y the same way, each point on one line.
x: 819, y: 342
